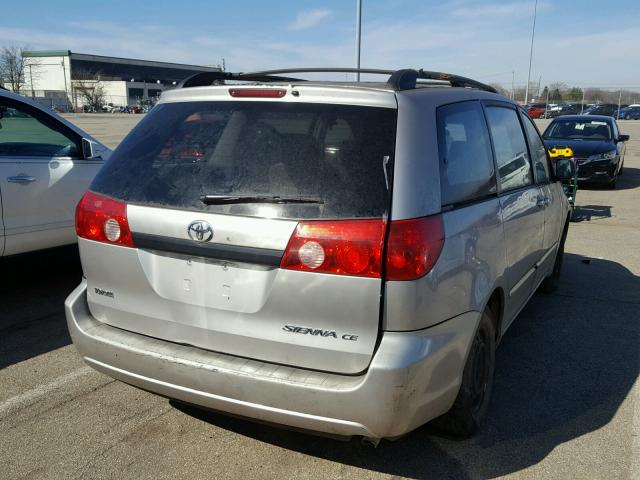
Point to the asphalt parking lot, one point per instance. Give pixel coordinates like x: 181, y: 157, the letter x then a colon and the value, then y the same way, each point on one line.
x: 566, y: 400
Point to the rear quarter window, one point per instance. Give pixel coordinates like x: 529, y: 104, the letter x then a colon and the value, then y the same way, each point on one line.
x: 466, y: 164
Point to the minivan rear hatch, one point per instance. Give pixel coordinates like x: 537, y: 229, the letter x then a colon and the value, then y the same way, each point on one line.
x: 257, y: 228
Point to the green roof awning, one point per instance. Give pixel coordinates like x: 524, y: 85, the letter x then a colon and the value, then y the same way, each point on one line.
x: 46, y: 53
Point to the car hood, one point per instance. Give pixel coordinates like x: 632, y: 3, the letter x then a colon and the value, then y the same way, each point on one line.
x: 582, y: 148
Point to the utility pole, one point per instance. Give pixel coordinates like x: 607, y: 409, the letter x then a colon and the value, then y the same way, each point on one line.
x: 358, y: 28
x: 619, y: 101
x: 513, y: 84
x: 33, y: 95
x: 582, y: 103
x: 66, y: 93
x: 533, y: 32
x: 546, y: 103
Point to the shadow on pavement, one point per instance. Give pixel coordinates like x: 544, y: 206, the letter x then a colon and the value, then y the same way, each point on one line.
x: 628, y: 180
x: 33, y: 288
x: 563, y: 370
x: 586, y: 213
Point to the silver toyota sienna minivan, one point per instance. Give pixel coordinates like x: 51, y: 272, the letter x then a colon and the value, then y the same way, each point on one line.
x: 333, y: 256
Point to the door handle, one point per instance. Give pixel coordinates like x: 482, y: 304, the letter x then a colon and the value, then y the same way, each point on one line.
x: 21, y: 179
x: 542, y: 202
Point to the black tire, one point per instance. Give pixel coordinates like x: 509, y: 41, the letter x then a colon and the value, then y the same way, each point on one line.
x: 612, y: 184
x: 550, y: 284
x: 471, y: 404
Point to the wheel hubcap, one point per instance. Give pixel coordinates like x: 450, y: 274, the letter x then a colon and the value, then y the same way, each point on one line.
x: 481, y: 367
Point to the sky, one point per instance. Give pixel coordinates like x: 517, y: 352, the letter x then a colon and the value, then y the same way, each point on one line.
x: 588, y: 43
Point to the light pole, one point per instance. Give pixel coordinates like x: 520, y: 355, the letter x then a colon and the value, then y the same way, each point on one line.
x: 619, y: 101
x: 533, y: 32
x: 358, y: 27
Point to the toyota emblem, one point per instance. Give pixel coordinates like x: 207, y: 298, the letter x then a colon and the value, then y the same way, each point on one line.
x: 200, y: 231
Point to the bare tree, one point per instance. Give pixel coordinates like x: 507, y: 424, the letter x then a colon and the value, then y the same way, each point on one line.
x: 12, y: 66
x: 500, y: 89
x: 90, y: 88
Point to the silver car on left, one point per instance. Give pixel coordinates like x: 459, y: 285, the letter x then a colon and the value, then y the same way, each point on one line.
x: 46, y: 164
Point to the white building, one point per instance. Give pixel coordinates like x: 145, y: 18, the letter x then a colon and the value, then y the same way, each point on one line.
x: 66, y: 80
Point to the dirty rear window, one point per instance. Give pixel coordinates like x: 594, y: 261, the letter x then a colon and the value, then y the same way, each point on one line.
x: 181, y: 151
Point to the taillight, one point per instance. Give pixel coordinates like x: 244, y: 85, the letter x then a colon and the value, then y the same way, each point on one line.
x: 257, y: 92
x: 354, y: 247
x: 344, y: 247
x: 413, y: 247
x: 103, y: 219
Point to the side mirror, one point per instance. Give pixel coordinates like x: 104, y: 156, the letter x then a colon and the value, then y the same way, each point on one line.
x: 623, y: 138
x: 88, y: 149
x: 565, y: 169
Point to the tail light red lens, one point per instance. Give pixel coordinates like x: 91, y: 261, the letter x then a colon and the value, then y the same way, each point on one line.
x: 345, y: 247
x: 103, y: 219
x: 413, y: 247
x: 257, y: 92
x: 354, y: 247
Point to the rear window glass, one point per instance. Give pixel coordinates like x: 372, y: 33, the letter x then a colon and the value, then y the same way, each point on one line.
x: 333, y: 154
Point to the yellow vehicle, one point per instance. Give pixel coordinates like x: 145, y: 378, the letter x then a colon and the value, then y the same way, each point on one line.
x: 570, y: 186
x: 563, y: 152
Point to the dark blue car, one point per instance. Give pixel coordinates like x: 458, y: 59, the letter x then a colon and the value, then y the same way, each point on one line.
x: 631, y: 112
x: 597, y: 144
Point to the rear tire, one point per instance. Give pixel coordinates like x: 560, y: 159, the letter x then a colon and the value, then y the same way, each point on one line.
x: 471, y: 404
x: 612, y: 184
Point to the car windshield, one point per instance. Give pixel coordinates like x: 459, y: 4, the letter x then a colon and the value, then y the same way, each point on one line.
x: 579, y: 130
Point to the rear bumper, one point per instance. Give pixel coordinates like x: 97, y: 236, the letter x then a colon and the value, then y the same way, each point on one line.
x: 413, y: 377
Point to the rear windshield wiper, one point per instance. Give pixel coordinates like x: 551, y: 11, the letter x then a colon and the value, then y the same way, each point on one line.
x: 231, y: 199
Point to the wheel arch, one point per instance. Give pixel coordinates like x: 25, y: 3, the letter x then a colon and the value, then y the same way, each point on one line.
x: 496, y: 305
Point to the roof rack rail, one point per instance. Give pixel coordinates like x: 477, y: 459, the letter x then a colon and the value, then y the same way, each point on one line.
x: 405, y: 79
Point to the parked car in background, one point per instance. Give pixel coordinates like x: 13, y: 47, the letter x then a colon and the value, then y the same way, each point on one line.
x: 535, y: 110
x: 630, y: 113
x: 46, y: 164
x: 563, y: 109
x: 332, y: 256
x: 597, y: 144
x: 607, y: 109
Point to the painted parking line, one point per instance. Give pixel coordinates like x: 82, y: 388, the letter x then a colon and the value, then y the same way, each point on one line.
x: 35, y: 394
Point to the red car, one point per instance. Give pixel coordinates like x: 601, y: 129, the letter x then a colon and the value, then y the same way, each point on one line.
x: 535, y: 110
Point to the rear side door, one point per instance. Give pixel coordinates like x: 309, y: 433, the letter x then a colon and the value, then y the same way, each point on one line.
x: 520, y: 201
x: 621, y: 147
x: 42, y: 177
x: 551, y: 196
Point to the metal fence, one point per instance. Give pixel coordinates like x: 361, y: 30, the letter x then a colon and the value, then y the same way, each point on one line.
x: 53, y: 99
x: 61, y: 101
